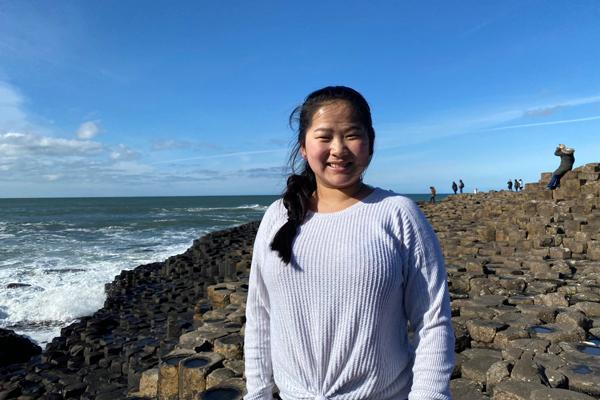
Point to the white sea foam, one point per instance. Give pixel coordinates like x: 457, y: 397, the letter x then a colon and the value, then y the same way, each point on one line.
x: 61, y: 296
x: 255, y: 207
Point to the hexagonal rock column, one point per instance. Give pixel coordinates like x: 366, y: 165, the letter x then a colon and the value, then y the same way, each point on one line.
x: 230, y: 346
x: 192, y: 374
x: 168, y: 375
x: 219, y: 294
x: 231, y: 389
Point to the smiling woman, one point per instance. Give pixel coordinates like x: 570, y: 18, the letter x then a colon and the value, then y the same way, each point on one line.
x: 340, y: 270
x: 336, y: 148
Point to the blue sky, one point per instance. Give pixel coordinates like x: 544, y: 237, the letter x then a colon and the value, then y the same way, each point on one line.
x: 128, y: 98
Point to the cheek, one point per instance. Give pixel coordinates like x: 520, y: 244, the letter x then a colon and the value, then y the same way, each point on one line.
x: 361, y: 149
x: 315, y: 152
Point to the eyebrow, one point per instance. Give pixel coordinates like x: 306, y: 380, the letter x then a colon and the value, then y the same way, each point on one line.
x: 351, y: 127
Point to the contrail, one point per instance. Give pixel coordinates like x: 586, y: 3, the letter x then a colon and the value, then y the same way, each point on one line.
x: 564, y: 121
x: 239, y: 153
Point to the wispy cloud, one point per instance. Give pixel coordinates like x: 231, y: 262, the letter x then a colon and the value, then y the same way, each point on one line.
x: 564, y: 121
x: 177, y: 144
x: 546, y: 110
x: 222, y: 155
x: 462, y: 123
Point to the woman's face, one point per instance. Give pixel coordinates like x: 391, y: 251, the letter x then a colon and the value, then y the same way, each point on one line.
x: 336, y: 146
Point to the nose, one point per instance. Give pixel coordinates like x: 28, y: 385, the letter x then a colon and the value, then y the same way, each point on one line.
x: 338, y: 147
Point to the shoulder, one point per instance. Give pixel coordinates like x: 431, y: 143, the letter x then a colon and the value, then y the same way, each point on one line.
x: 398, y: 205
x: 274, y: 216
x: 274, y: 213
x: 276, y: 209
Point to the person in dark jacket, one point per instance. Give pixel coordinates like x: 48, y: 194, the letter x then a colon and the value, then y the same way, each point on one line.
x: 454, y: 187
x: 461, y: 185
x: 433, y: 193
x: 517, y: 185
x: 509, y: 183
x: 567, y: 159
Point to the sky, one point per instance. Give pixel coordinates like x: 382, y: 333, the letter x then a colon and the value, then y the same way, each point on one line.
x: 163, y: 98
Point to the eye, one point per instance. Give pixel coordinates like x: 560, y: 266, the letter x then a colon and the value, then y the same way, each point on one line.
x: 354, y: 135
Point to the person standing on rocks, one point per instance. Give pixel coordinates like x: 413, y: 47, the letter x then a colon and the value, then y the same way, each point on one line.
x: 509, y: 183
x: 517, y: 186
x: 454, y: 187
x: 567, y: 159
x: 432, y: 194
x: 461, y: 185
x: 339, y: 271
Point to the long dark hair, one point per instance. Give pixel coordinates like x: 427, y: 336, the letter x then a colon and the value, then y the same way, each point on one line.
x: 300, y: 187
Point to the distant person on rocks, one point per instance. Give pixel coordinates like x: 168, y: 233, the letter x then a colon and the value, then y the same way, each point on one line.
x: 567, y: 159
x: 454, y: 187
x: 509, y: 183
x: 461, y: 185
x: 521, y: 184
x: 433, y: 193
x: 339, y: 272
x: 517, y: 186
x: 475, y: 191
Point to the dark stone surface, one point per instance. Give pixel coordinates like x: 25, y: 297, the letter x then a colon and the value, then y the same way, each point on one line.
x: 16, y: 348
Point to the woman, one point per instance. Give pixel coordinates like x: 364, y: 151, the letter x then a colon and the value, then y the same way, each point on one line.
x: 339, y: 270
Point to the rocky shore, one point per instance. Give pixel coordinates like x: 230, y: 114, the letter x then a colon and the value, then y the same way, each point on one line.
x: 524, y: 277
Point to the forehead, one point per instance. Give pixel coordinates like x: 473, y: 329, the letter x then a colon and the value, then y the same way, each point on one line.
x: 333, y: 113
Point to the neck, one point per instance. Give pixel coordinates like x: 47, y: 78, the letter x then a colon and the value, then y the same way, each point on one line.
x: 330, y: 199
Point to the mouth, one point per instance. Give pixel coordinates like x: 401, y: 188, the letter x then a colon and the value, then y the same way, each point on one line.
x: 339, y: 165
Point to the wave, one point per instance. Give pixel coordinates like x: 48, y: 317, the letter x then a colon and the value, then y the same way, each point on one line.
x: 256, y: 207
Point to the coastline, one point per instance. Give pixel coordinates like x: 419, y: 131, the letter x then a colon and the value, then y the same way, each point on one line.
x: 145, y: 311
x: 525, y: 297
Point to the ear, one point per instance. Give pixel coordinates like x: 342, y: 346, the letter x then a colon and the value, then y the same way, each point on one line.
x: 303, y: 152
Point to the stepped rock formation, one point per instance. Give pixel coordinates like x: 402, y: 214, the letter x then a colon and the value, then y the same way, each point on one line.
x: 524, y: 278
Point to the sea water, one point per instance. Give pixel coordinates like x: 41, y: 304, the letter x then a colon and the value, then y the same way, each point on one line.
x: 56, y: 255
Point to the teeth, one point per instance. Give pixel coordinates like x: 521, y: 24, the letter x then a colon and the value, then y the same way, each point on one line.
x: 338, y: 165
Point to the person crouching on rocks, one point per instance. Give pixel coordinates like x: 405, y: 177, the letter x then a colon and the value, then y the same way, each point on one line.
x: 339, y: 270
x: 567, y: 159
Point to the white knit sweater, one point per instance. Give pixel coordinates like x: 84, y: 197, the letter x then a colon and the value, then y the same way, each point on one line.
x: 333, y: 323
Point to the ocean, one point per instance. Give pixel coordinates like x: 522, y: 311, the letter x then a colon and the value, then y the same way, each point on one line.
x: 57, y: 254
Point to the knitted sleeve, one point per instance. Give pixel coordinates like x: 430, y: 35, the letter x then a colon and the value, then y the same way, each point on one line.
x: 257, y: 338
x: 427, y: 306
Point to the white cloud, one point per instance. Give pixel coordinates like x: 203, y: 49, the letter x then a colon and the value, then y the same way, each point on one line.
x: 13, y: 144
x: 123, y: 153
x: 88, y: 130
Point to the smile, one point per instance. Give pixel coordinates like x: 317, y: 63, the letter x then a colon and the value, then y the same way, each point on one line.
x: 339, y: 165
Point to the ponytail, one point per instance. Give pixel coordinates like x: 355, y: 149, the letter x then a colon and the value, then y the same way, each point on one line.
x: 296, y: 200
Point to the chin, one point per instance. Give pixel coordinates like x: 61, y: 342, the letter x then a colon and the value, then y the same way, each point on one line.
x: 335, y: 184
